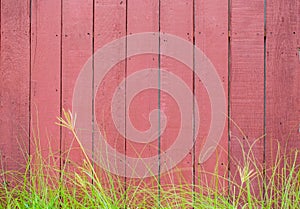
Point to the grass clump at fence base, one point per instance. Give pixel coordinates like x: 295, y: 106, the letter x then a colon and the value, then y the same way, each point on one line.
x: 46, y: 184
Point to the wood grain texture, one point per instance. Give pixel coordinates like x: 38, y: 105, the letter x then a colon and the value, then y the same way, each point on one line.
x: 176, y: 18
x: 109, y: 25
x: 77, y: 46
x: 211, y: 36
x: 65, y: 34
x: 282, y: 78
x: 142, y: 16
x: 45, y: 79
x: 246, y: 86
x: 14, y: 85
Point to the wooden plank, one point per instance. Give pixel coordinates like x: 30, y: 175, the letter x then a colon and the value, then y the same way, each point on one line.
x: 142, y: 16
x: 176, y: 18
x: 110, y: 25
x: 246, y: 86
x: 14, y: 85
x: 77, y: 46
x: 282, y: 79
x: 211, y: 29
x: 45, y: 80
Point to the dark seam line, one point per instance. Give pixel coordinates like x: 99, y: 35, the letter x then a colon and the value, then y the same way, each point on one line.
x: 159, y: 107
x: 194, y: 91
x: 93, y: 88
x: 229, y: 95
x: 29, y: 98
x: 125, y: 123
x: 265, y: 98
x: 60, y: 86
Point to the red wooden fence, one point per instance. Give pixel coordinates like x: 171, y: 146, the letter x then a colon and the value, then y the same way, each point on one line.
x: 253, y: 45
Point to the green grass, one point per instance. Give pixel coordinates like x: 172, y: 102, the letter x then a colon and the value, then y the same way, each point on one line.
x: 45, y: 185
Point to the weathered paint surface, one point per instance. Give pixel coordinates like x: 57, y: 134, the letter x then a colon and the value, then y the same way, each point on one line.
x: 77, y: 48
x: 211, y: 29
x: 176, y: 18
x: 142, y: 16
x: 246, y: 84
x: 282, y: 78
x: 14, y: 84
x: 258, y: 69
x: 110, y: 24
x: 46, y: 78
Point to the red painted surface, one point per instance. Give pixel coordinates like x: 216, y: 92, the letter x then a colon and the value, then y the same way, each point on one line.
x: 14, y: 85
x: 142, y: 16
x: 45, y: 78
x: 246, y: 85
x: 39, y: 70
x: 77, y: 48
x: 176, y: 18
x: 110, y: 24
x: 211, y: 28
x: 282, y: 78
